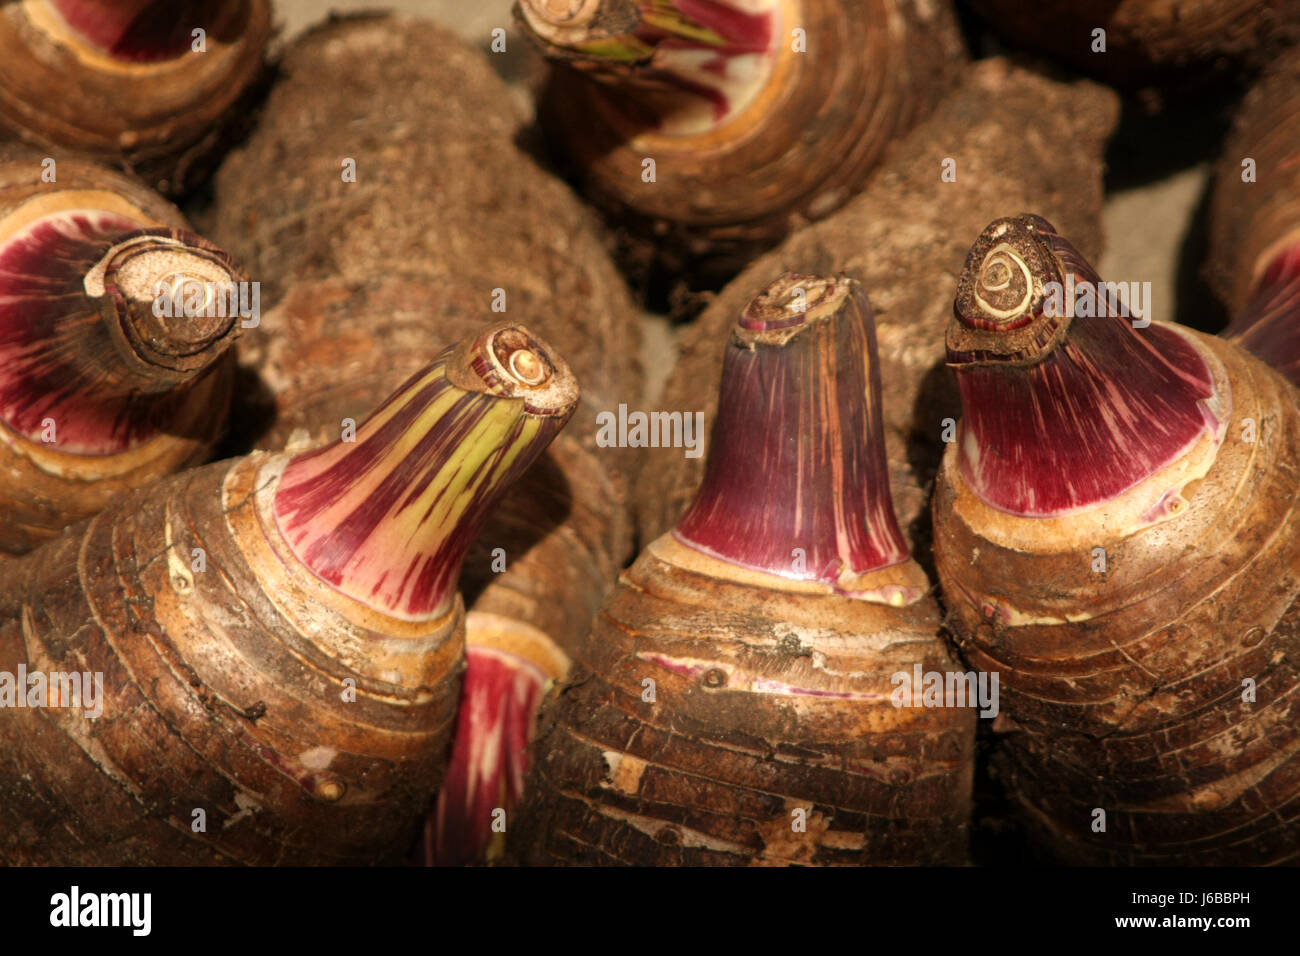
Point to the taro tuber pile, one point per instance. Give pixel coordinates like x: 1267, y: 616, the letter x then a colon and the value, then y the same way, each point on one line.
x: 651, y: 432
x: 905, y: 238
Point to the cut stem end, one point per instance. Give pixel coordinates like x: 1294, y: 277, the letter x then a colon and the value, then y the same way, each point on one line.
x: 174, y: 301
x: 796, y: 483
x: 680, y: 67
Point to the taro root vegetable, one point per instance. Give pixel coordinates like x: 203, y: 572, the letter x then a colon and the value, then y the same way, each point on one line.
x: 757, y: 114
x: 101, y: 392
x: 1255, y: 224
x: 736, y: 700
x: 279, y: 638
x: 1115, y: 534
x: 437, y: 229
x: 149, y: 85
x: 1000, y: 135
x: 1146, y: 41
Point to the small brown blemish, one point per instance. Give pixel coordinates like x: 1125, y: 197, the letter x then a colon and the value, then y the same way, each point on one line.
x: 986, y: 634
x: 669, y: 836
x: 714, y: 677
x: 255, y: 712
x: 1207, y: 799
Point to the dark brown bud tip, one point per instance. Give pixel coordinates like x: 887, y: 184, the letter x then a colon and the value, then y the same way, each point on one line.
x: 1001, y: 287
x: 1005, y: 309
x: 508, y: 361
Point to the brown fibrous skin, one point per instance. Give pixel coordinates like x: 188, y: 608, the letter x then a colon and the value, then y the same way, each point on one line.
x: 1251, y: 222
x: 166, y: 118
x: 177, y: 399
x: 869, y: 71
x: 724, y: 715
x: 217, y: 696
x: 708, y: 774
x: 1148, y: 697
x: 249, y: 670
x: 1168, y: 43
x: 1015, y: 136
x: 445, y: 210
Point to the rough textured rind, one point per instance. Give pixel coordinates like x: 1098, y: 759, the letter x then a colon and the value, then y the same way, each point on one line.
x: 165, y: 119
x: 1020, y: 141
x: 224, y: 691
x: 43, y: 488
x: 1248, y: 220
x: 1138, y: 705
x: 711, y: 771
x: 871, y: 69
x: 1169, y: 42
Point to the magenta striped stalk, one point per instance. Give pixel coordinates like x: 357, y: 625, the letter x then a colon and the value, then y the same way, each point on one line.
x: 144, y: 31
x: 1061, y: 412
x: 386, y: 515
x: 796, y: 482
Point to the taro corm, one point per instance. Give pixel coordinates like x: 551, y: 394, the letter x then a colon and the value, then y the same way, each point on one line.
x: 280, y: 636
x: 738, y: 700
x: 1115, y: 533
